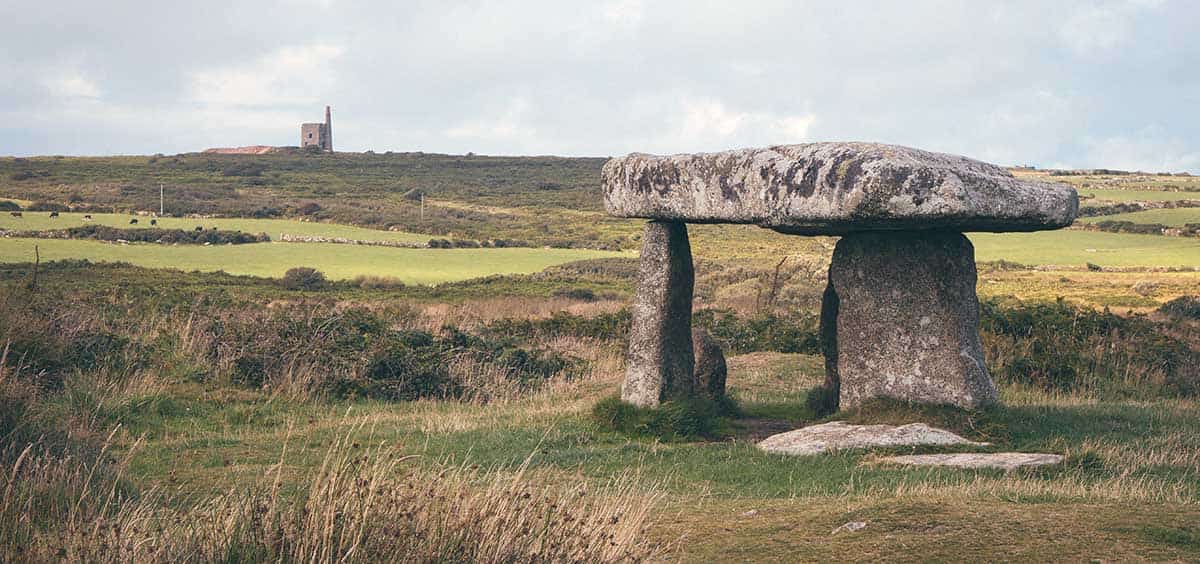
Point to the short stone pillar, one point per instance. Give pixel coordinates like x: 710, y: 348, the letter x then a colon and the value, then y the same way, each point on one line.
x: 660, y: 361
x: 710, y: 369
x: 905, y: 320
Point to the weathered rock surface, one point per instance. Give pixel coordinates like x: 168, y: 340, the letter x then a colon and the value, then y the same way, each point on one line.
x: 906, y: 320
x: 834, y: 188
x: 710, y: 370
x: 660, y: 360
x: 1002, y: 460
x: 837, y: 435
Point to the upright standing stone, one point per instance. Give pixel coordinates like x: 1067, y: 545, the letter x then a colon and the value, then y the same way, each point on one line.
x: 907, y: 319
x: 660, y: 360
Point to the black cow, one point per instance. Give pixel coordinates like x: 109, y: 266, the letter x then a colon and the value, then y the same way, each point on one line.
x: 53, y: 214
x: 153, y: 222
x: 133, y: 221
x: 16, y: 214
x: 199, y: 228
x: 87, y: 217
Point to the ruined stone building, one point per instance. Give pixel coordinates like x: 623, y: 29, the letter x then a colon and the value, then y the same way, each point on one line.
x: 318, y: 134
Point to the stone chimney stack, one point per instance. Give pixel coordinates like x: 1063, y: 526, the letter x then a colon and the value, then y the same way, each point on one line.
x: 328, y: 130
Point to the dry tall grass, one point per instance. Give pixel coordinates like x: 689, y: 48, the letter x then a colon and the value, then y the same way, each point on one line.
x: 361, y: 505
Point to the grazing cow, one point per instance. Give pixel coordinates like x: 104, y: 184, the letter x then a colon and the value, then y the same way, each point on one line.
x: 16, y: 214
x: 199, y: 228
x: 87, y: 217
x: 153, y: 222
x: 53, y: 214
x: 133, y: 221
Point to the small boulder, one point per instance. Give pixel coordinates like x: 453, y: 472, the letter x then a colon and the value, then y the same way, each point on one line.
x: 710, y: 370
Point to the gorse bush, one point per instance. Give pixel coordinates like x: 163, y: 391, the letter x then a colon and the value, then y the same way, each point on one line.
x: 1186, y: 307
x: 737, y: 334
x: 155, y: 235
x: 1057, y: 346
x: 301, y: 351
x: 796, y: 334
x: 303, y: 278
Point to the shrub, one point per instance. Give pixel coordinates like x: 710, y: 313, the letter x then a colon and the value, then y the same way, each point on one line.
x: 582, y: 294
x: 155, y: 235
x: 309, y: 208
x: 794, y: 334
x: 244, y: 169
x: 47, y: 207
x: 265, y: 212
x: 9, y: 205
x: 413, y: 368
x: 303, y: 278
x: 1182, y: 307
x: 249, y: 371
x: 1057, y: 346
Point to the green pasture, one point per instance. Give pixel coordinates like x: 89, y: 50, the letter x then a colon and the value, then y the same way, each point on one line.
x: 1137, y: 195
x: 39, y: 221
x: 412, y: 266
x: 1176, y: 217
x: 1076, y: 247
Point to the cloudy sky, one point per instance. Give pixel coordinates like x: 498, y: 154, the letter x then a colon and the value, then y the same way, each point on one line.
x: 1079, y: 84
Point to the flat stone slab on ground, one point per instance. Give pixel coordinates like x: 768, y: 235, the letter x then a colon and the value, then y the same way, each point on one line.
x: 817, y: 439
x: 1001, y: 460
x: 834, y: 189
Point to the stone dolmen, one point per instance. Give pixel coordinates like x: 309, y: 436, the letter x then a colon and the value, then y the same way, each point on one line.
x: 899, y: 316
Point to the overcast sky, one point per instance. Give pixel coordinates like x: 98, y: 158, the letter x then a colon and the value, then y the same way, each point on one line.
x: 1066, y: 84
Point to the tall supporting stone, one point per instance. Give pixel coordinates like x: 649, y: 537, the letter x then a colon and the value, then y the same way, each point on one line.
x: 660, y: 361
x: 906, y: 320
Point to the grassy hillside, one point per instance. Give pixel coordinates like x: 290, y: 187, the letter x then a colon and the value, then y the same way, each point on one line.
x: 373, y: 190
x: 41, y: 221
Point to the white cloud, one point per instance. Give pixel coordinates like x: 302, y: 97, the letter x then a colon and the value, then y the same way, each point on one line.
x: 623, y: 13
x: 71, y: 85
x: 290, y: 75
x: 695, y: 124
x: 509, y: 126
x: 1101, y: 28
x: 1151, y: 150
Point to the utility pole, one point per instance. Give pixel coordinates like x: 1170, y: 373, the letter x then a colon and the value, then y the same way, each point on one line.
x: 422, y: 206
x: 160, y: 199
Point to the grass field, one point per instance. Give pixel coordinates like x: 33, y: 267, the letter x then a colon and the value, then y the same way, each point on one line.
x: 1117, y: 195
x: 1074, y: 247
x: 1129, y: 490
x: 429, y: 266
x: 411, y: 266
x: 1176, y: 217
x: 40, y: 221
